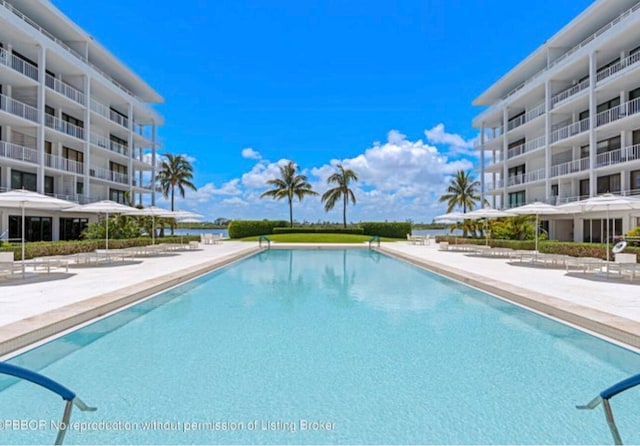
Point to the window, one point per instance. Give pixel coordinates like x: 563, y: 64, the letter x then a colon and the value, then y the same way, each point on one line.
x: 49, y: 110
x: 584, y: 151
x: 515, y: 174
x: 609, y: 183
x: 513, y: 118
x: 71, y: 120
x: 595, y: 230
x: 71, y: 228
x: 72, y: 155
x: 608, y: 145
x: 36, y: 229
x: 23, y: 180
x: 554, y: 190
x: 584, y: 189
x: 47, y: 147
x: 607, y: 105
x: 517, y: 199
x: 119, y: 168
x: 635, y: 182
x: 79, y: 188
x: 633, y: 94
x: 118, y: 196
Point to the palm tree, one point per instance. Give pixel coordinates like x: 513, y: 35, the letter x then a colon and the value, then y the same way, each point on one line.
x: 289, y: 185
x: 462, y: 191
x: 175, y: 171
x: 331, y: 197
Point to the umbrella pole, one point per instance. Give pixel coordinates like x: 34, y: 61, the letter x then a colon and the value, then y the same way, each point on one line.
x: 107, y: 241
x: 23, y: 265
x: 537, y: 228
x: 153, y: 229
x: 607, y: 236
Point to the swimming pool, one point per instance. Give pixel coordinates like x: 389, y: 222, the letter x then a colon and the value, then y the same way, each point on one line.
x: 325, y: 346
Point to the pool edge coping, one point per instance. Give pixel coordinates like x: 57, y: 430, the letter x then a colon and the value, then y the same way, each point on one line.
x: 20, y: 334
x: 611, y: 326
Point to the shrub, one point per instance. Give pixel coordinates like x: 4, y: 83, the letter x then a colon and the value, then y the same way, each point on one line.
x: 311, y: 230
x: 250, y: 228
x: 384, y: 229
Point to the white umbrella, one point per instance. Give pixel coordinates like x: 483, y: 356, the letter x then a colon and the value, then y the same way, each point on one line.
x: 24, y: 199
x: 451, y: 217
x: 153, y: 212
x: 102, y: 207
x: 183, y: 216
x: 606, y: 202
x: 538, y: 208
x: 487, y: 213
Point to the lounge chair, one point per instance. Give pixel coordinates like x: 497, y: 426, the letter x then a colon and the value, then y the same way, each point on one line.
x: 7, y: 264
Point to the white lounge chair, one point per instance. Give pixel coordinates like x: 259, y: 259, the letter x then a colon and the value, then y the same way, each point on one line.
x: 7, y: 265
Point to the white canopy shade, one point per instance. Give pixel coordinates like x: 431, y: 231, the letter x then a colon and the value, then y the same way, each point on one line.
x: 102, y: 207
x: 538, y: 208
x: 24, y: 199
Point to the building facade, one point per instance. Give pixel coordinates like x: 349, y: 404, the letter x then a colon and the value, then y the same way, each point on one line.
x: 564, y: 124
x: 75, y: 122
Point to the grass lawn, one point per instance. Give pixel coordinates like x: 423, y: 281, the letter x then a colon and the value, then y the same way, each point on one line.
x: 319, y: 238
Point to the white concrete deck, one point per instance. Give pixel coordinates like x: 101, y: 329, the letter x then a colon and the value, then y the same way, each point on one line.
x: 46, y: 304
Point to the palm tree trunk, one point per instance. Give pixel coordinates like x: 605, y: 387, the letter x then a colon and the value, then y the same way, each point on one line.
x: 172, y: 195
x: 344, y: 211
x: 290, y: 213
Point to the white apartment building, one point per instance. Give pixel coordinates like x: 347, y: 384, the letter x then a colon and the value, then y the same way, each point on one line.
x: 564, y: 124
x: 75, y: 122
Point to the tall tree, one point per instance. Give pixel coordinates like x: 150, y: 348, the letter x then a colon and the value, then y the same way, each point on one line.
x: 289, y: 185
x: 462, y: 191
x: 341, y: 178
x: 175, y: 171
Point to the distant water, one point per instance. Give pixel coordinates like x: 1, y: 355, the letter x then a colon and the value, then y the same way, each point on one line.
x: 224, y: 232
x: 434, y: 232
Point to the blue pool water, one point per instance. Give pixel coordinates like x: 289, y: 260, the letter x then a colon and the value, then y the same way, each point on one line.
x: 371, y: 349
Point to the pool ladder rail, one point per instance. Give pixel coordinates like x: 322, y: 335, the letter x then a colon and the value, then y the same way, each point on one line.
x: 49, y: 384
x: 374, y: 239
x: 266, y: 239
x: 604, y: 398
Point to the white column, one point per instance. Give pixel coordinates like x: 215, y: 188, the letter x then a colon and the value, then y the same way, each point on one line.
x: 547, y: 136
x: 505, y: 149
x: 130, y: 142
x: 87, y: 145
x: 593, y: 106
x: 153, y: 163
x: 482, y: 167
x: 42, y: 60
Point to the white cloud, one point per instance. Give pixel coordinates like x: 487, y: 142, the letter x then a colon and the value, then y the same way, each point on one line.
x: 262, y: 172
x: 455, y: 143
x: 249, y: 153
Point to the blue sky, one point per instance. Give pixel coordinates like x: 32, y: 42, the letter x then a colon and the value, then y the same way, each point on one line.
x: 385, y: 87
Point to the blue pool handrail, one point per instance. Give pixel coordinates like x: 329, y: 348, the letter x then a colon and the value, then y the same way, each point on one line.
x: 266, y: 239
x: 375, y: 238
x: 604, y: 398
x: 49, y: 384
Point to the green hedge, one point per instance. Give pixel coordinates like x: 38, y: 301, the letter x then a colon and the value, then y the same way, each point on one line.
x: 63, y: 248
x: 383, y: 229
x: 250, y: 228
x: 311, y: 230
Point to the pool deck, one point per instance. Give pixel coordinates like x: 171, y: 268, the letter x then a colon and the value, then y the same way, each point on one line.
x: 46, y: 304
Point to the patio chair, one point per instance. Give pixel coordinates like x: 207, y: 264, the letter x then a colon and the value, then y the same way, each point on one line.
x: 7, y: 264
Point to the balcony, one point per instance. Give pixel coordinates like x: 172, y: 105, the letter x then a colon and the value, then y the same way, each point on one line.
x: 570, y: 130
x: 527, y: 147
x: 63, y: 126
x: 629, y: 108
x: 623, y: 155
x: 19, y: 65
x: 106, y: 112
x: 570, y: 167
x: 106, y: 174
x: 18, y: 153
x: 107, y: 144
x: 529, y: 177
x: 65, y: 90
x: 60, y: 163
x: 527, y: 117
x: 18, y: 108
x: 620, y: 66
x: 569, y: 92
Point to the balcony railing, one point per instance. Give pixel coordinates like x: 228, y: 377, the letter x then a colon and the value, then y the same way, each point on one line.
x: 529, y: 177
x: 18, y: 64
x: 529, y: 116
x: 570, y: 167
x: 18, y: 108
x: 621, y: 111
x: 106, y: 174
x: 622, y: 17
x: 570, y: 130
x: 106, y: 112
x: 76, y: 54
x: 107, y: 144
x: 60, y: 163
x: 63, y: 126
x: 623, y: 155
x: 17, y: 152
x: 527, y: 147
x: 617, y: 67
x: 65, y: 89
x: 569, y: 92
